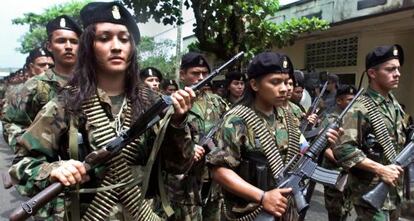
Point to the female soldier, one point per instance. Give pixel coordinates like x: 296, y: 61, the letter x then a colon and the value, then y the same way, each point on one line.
x: 101, y: 101
x: 235, y: 84
x: 240, y: 163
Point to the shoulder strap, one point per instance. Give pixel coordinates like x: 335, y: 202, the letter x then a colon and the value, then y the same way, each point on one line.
x: 380, y: 130
x: 266, y: 138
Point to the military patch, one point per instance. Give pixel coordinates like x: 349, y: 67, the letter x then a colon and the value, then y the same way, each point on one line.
x: 42, y: 52
x: 395, y: 51
x: 62, y: 23
x: 201, y: 62
x: 150, y: 72
x: 115, y: 12
x: 285, y: 63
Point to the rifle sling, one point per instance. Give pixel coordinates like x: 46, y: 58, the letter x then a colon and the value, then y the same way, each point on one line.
x: 380, y: 129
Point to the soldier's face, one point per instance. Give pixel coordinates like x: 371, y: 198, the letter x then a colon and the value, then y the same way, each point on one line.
x: 387, y: 75
x: 153, y: 83
x: 271, y: 89
x: 170, y: 89
x: 64, y: 46
x: 193, y: 75
x: 40, y: 65
x: 112, y: 48
x: 343, y: 100
x: 297, y: 94
x: 289, y: 85
x: 236, y: 88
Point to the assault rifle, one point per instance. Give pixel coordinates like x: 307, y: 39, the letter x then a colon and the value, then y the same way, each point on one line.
x: 376, y: 196
x: 305, y: 168
x: 304, y: 124
x: 148, y: 119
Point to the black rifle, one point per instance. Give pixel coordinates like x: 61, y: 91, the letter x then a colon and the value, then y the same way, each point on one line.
x: 304, y: 124
x: 376, y: 196
x: 305, y: 168
x: 148, y: 119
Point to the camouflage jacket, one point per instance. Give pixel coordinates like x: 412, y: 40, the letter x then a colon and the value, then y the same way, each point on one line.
x: 329, y: 118
x: 359, y: 142
x: 296, y: 111
x: 206, y: 112
x: 45, y: 143
x: 21, y: 110
x: 11, y: 101
x: 235, y: 142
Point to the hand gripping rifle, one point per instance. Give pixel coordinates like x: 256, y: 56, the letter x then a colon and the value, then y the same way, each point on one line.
x: 376, y: 196
x: 98, y: 157
x: 304, y: 124
x: 305, y: 168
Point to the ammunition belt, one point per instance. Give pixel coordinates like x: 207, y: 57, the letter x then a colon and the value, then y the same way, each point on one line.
x: 118, y: 171
x: 268, y: 142
x: 380, y: 129
x: 293, y: 135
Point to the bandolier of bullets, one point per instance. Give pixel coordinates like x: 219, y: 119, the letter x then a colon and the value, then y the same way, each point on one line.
x: 293, y: 135
x: 118, y: 171
x: 380, y: 129
x: 267, y: 141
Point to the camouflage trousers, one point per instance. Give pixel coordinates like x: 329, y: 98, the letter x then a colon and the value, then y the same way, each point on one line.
x: 185, y: 212
x: 367, y: 213
x: 337, y: 203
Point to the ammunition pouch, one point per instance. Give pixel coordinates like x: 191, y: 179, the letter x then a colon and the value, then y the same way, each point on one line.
x: 255, y: 170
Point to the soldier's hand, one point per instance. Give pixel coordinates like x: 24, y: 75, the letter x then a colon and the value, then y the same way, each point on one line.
x: 182, y: 102
x: 313, y: 119
x: 198, y: 152
x: 275, y: 202
x: 333, y: 136
x: 390, y: 174
x: 69, y: 172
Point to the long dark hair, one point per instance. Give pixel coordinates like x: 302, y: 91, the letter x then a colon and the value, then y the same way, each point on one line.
x: 84, y: 81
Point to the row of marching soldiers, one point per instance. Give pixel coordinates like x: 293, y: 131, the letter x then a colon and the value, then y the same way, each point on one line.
x: 178, y: 170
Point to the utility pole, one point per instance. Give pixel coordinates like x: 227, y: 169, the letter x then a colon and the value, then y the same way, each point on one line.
x: 178, y: 46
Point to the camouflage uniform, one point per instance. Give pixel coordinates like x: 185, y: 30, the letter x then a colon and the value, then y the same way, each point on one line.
x: 235, y: 141
x: 296, y: 111
x: 355, y: 147
x: 337, y: 203
x: 45, y: 143
x: 11, y: 102
x: 185, y: 190
x: 20, y: 112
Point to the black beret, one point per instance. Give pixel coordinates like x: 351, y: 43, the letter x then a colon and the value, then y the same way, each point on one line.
x: 346, y: 89
x: 112, y: 12
x: 194, y: 59
x: 63, y: 22
x: 269, y: 62
x: 150, y: 72
x: 235, y: 75
x: 384, y: 53
x: 37, y: 52
x: 298, y: 79
x: 218, y: 84
x: 169, y: 82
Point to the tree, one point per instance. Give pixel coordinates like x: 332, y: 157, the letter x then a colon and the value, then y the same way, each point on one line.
x: 37, y: 36
x: 226, y: 27
x: 157, y: 54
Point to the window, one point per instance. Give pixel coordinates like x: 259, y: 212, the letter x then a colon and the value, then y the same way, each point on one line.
x: 334, y: 53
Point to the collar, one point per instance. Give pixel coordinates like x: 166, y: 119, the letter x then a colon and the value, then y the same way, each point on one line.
x: 377, y: 97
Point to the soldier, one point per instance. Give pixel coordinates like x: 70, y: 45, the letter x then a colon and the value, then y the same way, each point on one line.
x: 239, y: 164
x: 337, y: 203
x: 329, y: 98
x: 38, y: 61
x: 192, y: 195
x: 63, y: 36
x: 169, y: 86
x: 234, y: 85
x: 366, y: 154
x: 99, y: 103
x: 151, y: 77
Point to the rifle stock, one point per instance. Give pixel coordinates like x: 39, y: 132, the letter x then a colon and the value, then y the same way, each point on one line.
x: 95, y: 158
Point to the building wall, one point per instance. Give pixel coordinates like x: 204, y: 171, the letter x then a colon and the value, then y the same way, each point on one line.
x: 397, y: 28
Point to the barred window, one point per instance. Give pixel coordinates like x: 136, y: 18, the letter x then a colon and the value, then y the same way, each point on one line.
x: 335, y: 53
